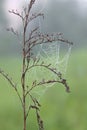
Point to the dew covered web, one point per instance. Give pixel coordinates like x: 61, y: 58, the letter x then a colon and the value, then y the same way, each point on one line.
x: 55, y: 53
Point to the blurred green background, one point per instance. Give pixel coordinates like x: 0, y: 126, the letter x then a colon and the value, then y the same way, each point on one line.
x: 60, y: 110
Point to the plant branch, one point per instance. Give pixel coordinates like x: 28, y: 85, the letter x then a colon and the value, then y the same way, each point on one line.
x: 36, y: 107
x: 15, y: 12
x: 48, y: 38
x: 43, y: 82
x: 35, y: 16
x: 6, y: 76
x: 30, y: 5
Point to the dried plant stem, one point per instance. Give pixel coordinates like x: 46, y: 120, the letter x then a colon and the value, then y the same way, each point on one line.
x: 29, y: 42
x: 23, y: 80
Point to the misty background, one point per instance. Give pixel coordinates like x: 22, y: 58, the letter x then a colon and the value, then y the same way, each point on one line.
x: 65, y: 16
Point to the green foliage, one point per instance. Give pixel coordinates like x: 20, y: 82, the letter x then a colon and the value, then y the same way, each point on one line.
x: 60, y: 111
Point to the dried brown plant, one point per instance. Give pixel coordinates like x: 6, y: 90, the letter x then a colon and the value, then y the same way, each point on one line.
x: 34, y: 38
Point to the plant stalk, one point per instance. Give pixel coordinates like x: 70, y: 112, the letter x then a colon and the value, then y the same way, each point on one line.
x: 23, y: 83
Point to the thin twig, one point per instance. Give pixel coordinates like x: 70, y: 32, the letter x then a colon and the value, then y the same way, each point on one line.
x: 39, y: 120
x: 15, y: 12
x: 43, y: 40
x: 35, y: 16
x: 6, y: 76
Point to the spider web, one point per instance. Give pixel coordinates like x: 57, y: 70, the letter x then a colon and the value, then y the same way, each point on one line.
x: 57, y: 54
x: 54, y: 53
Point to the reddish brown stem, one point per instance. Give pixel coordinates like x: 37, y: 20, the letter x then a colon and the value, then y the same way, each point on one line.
x: 23, y: 82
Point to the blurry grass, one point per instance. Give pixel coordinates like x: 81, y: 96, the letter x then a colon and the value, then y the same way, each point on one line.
x: 60, y: 110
